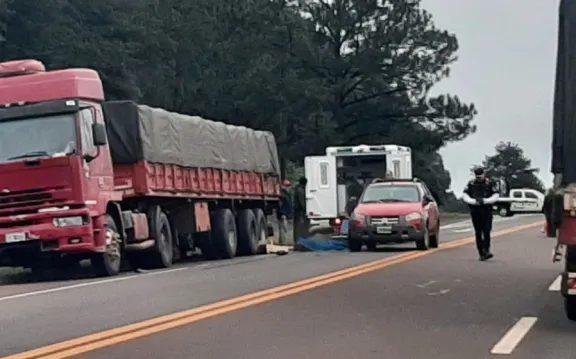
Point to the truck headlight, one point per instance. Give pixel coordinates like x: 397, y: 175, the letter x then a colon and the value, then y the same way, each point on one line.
x: 73, y: 221
x: 416, y: 216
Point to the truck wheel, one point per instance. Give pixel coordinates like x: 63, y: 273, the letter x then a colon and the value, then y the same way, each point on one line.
x: 262, y: 223
x: 504, y: 211
x: 224, y: 236
x: 422, y: 243
x: 570, y: 307
x: 433, y: 242
x: 247, y: 233
x: 108, y: 263
x: 355, y: 245
x: 162, y: 253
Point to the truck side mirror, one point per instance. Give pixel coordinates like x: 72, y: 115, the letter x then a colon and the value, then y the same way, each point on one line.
x: 99, y: 134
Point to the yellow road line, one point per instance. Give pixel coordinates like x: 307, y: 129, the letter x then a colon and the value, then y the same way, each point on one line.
x: 126, y: 333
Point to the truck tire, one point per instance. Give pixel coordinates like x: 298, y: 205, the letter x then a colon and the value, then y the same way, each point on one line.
x: 570, y: 307
x: 162, y: 254
x: 108, y: 263
x: 262, y: 224
x: 354, y: 245
x: 434, y: 238
x: 247, y: 233
x: 224, y: 235
x: 422, y: 243
x: 504, y: 210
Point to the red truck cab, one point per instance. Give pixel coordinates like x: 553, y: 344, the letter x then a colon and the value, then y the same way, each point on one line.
x: 53, y: 174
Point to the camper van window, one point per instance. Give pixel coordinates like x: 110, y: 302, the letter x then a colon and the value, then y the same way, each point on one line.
x: 324, y: 174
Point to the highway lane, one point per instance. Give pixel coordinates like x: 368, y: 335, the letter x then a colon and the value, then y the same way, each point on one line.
x: 446, y: 305
x: 66, y: 312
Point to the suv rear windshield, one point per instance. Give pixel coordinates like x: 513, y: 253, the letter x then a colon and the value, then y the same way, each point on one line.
x: 387, y: 194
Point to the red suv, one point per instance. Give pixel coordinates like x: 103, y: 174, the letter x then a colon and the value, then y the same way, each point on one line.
x: 395, y: 211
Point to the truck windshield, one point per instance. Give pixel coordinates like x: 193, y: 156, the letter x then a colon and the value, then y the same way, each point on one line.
x: 384, y: 194
x: 37, y: 137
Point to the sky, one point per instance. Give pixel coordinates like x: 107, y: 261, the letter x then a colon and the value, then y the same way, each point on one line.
x: 506, y: 66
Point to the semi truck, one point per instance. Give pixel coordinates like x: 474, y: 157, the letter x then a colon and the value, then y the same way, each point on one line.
x: 82, y: 178
x: 564, y: 154
x: 338, y: 177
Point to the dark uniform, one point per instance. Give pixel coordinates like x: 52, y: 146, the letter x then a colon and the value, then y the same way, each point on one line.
x: 481, y: 213
x: 301, y: 221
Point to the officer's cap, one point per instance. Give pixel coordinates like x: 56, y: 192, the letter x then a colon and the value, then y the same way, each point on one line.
x: 479, y: 171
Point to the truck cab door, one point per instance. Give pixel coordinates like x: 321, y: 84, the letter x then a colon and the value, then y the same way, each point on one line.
x: 321, y: 192
x: 534, y: 201
x: 518, y: 201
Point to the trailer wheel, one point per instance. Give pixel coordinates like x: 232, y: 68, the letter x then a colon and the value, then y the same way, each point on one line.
x: 247, y: 233
x: 262, y: 230
x: 108, y: 263
x: 162, y: 254
x: 224, y: 235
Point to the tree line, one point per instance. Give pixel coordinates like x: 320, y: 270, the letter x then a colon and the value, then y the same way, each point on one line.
x: 315, y: 73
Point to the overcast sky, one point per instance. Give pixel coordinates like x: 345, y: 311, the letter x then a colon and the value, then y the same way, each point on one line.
x: 506, y: 67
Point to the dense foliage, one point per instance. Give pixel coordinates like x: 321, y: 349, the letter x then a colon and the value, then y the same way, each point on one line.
x: 510, y: 163
x: 316, y: 73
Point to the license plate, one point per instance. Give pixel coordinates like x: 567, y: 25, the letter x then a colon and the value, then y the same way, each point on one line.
x: 16, y: 237
x: 383, y: 229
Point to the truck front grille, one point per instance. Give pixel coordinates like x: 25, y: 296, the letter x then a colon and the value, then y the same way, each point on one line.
x: 24, y: 202
x: 379, y: 221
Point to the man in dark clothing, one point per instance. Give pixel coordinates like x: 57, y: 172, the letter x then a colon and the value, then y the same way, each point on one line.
x: 301, y: 221
x: 284, y: 212
x: 480, y: 194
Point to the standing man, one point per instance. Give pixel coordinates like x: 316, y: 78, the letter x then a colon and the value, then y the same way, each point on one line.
x: 480, y: 194
x: 301, y: 221
x: 284, y: 212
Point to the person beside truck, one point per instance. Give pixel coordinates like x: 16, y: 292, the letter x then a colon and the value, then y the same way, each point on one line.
x: 301, y: 220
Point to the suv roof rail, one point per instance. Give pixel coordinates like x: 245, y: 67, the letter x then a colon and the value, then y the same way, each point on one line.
x: 382, y: 180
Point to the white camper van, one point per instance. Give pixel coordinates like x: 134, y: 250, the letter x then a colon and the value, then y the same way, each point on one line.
x: 331, y: 177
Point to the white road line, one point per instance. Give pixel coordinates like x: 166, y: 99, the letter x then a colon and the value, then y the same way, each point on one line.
x: 514, y: 336
x: 462, y: 230
x: 555, y: 286
x: 89, y: 284
x: 456, y: 224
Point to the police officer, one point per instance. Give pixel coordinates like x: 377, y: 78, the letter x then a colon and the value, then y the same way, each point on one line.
x: 480, y: 194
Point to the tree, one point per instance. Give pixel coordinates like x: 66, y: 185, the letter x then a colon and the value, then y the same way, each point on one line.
x: 314, y: 72
x: 510, y: 163
x: 378, y: 61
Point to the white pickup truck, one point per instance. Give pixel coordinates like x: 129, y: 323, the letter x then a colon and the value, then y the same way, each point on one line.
x: 521, y: 200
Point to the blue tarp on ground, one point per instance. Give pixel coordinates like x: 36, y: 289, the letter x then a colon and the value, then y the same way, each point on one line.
x: 322, y: 245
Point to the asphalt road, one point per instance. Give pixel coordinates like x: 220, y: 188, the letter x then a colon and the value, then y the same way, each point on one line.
x: 444, y: 304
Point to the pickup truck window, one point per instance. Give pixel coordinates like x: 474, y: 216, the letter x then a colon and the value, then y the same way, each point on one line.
x: 530, y: 195
x: 38, y: 137
x: 390, y: 194
x: 516, y: 194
